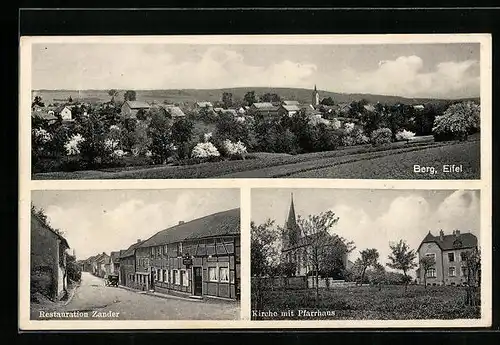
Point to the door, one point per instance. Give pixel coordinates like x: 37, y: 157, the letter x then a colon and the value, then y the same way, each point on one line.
x: 197, y: 281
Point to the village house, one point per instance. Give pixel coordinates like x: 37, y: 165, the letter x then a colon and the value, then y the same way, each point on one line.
x: 295, y: 245
x: 199, y: 258
x: 48, y: 260
x: 127, y: 265
x: 288, y: 110
x: 206, y: 105
x: 264, y: 109
x: 88, y: 264
x: 101, y: 265
x: 114, y: 261
x: 448, y: 252
x: 64, y: 112
x: 131, y: 108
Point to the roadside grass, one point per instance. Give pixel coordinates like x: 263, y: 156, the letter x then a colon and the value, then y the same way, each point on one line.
x: 255, y: 161
x: 366, y: 302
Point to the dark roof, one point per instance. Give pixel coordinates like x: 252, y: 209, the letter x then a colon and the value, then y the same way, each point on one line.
x: 130, y: 250
x: 450, y: 242
x: 217, y: 224
x: 115, y: 256
x: 44, y: 114
x: 37, y: 219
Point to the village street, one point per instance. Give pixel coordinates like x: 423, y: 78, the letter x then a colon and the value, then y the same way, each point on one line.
x: 100, y: 302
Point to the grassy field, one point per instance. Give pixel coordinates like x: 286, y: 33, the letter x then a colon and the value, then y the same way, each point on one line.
x: 391, y: 161
x: 366, y: 302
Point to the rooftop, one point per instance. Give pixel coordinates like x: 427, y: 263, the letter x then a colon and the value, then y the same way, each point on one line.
x: 452, y: 241
x: 217, y: 224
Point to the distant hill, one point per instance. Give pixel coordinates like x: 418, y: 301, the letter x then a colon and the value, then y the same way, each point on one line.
x: 193, y: 95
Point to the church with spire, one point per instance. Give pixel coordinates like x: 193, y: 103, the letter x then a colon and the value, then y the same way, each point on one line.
x: 295, y: 244
x: 315, y: 97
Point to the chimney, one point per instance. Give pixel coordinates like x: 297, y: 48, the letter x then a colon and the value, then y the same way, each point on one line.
x: 441, y: 235
x: 138, y: 240
x: 181, y: 222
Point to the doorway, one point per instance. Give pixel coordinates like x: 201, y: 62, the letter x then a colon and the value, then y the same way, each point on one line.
x: 197, y: 281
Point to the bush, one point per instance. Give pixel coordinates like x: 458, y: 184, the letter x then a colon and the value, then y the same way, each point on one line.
x: 235, y: 150
x: 457, y: 121
x: 381, y: 136
x: 205, y: 150
x: 74, y: 272
x: 404, y: 135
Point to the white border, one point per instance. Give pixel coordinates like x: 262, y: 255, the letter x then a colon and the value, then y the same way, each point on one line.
x: 26, y: 185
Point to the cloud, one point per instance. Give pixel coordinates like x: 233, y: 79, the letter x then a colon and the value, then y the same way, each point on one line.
x: 154, y: 67
x: 408, y: 218
x: 92, y: 228
x: 405, y: 76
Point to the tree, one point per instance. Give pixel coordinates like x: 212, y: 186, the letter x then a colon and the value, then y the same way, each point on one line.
x: 378, y: 275
x: 457, y: 121
x: 250, y: 98
x: 94, y: 132
x: 264, y: 254
x: 327, y: 101
x: 320, y: 243
x: 37, y: 101
x: 472, y: 272
x: 227, y: 100
x: 182, y: 131
x: 402, y: 258
x: 113, y: 93
x: 160, y: 132
x: 369, y: 257
x: 129, y: 95
x: 228, y: 127
x: 426, y: 263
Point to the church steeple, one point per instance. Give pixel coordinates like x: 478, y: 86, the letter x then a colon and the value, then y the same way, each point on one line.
x: 292, y: 230
x: 315, y: 97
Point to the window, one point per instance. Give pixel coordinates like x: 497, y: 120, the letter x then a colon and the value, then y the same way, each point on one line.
x: 177, y: 277
x: 152, y: 251
x: 172, y: 276
x: 463, y: 256
x: 463, y: 271
x: 224, y: 274
x: 451, y: 257
x: 181, y: 274
x: 212, y: 274
x: 165, y: 276
x: 431, y: 255
x: 431, y: 273
x: 158, y: 274
x: 179, y: 248
x: 451, y: 271
x: 185, y: 279
x: 165, y: 249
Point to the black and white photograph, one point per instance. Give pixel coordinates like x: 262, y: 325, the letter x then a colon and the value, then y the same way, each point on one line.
x: 365, y: 254
x: 256, y: 107
x: 170, y: 254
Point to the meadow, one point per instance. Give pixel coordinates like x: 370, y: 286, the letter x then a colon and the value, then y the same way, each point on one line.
x: 367, y: 302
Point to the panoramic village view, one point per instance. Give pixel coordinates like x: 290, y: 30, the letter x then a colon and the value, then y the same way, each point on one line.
x: 413, y: 255
x: 227, y: 112
x: 184, y: 270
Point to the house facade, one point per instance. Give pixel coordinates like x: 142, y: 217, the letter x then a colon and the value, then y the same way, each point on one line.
x: 48, y: 260
x: 66, y: 114
x: 295, y: 246
x: 448, y: 252
x: 200, y: 258
x: 127, y: 266
x: 264, y: 109
x: 114, y: 264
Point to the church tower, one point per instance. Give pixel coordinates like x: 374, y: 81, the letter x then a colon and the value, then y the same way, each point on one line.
x: 315, y: 97
x: 292, y: 230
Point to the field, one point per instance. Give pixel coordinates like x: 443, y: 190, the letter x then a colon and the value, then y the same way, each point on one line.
x: 366, y: 302
x: 392, y: 161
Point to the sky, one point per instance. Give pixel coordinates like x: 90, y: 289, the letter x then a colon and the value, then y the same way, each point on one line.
x: 109, y: 220
x: 374, y: 218
x: 435, y: 70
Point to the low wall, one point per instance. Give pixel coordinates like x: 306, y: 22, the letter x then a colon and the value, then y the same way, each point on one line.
x: 328, y: 283
x: 287, y: 283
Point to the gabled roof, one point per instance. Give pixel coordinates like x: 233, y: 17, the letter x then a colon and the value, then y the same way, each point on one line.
x: 43, y: 114
x: 369, y: 107
x: 218, y: 109
x: 214, y: 225
x: 174, y: 111
x: 115, y: 256
x: 291, y: 103
x: 450, y: 242
x: 291, y: 107
x: 131, y: 250
x: 229, y: 111
x: 37, y: 219
x: 137, y: 105
x: 264, y: 106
